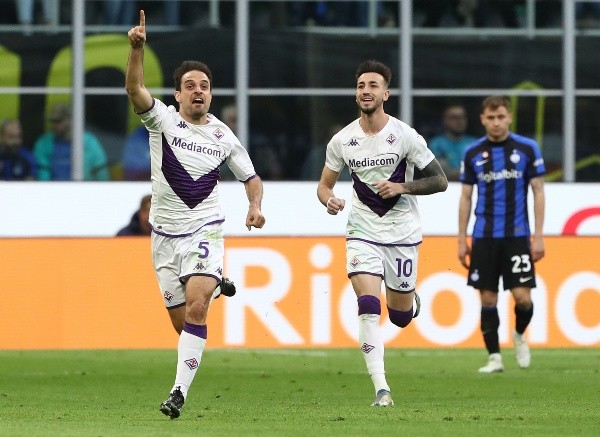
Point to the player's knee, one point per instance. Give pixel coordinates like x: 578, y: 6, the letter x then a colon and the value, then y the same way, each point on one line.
x: 523, y: 302
x: 368, y: 304
x: 400, y: 318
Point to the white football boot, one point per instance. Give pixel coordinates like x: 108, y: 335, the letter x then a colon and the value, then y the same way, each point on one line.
x: 494, y: 364
x: 522, y: 353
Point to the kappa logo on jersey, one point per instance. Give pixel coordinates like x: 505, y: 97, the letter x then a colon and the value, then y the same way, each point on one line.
x: 404, y: 285
x: 366, y: 348
x: 353, y: 142
x: 168, y: 296
x: 218, y: 134
x: 220, y: 271
x: 391, y: 139
x: 354, y: 262
x: 192, y: 363
x: 182, y: 125
x: 199, y: 266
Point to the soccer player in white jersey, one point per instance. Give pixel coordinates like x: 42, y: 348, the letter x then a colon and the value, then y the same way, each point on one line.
x: 187, y: 146
x: 384, y: 229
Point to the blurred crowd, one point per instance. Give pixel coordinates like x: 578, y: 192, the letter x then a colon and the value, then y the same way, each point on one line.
x: 427, y: 13
x: 49, y: 158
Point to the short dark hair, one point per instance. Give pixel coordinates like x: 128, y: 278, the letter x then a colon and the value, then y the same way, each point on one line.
x: 495, y: 102
x: 373, y: 66
x: 190, y: 66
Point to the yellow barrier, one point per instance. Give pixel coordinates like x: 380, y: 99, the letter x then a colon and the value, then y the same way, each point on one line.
x: 292, y: 292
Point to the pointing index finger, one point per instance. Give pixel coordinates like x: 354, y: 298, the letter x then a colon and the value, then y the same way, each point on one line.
x: 142, y: 19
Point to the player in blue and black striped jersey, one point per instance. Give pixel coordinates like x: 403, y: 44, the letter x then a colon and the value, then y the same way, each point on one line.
x: 503, y: 165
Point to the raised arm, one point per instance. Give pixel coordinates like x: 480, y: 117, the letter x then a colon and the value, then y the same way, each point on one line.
x: 134, y: 76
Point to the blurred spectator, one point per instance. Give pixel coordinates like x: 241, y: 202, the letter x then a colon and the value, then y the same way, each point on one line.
x: 460, y: 12
x: 53, y: 150
x: 118, y: 11
x: 124, y: 12
x: 449, y: 146
x: 335, y: 13
x: 26, y: 12
x: 587, y: 14
x: 229, y: 117
x: 306, y: 13
x: 470, y: 13
x: 136, y: 156
x: 139, y: 224
x: 16, y: 162
x: 314, y: 162
x: 504, y: 11
x: 264, y: 155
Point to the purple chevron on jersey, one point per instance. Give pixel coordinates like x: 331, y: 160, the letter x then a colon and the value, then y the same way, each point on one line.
x: 191, y: 192
x: 370, y: 198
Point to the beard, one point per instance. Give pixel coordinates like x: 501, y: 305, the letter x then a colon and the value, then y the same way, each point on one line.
x: 367, y: 111
x: 195, y: 114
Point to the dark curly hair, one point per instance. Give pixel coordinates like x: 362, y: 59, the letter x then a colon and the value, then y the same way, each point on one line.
x: 373, y: 66
x: 190, y: 66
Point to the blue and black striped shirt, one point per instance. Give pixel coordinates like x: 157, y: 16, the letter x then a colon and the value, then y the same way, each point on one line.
x: 502, y: 172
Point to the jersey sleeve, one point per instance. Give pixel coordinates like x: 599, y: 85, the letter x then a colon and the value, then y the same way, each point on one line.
x: 333, y: 155
x: 467, y: 172
x: 417, y: 151
x: 536, y: 166
x: 154, y: 117
x: 239, y: 162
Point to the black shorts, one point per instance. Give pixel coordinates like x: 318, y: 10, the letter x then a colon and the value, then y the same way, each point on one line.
x: 509, y: 258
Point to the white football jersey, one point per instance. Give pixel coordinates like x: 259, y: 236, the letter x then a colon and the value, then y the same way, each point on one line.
x: 391, y: 154
x: 185, y: 161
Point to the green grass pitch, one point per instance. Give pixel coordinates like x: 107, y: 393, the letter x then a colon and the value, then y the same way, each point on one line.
x: 299, y: 393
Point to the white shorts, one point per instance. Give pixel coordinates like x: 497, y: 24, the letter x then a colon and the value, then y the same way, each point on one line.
x: 396, y: 264
x: 176, y: 259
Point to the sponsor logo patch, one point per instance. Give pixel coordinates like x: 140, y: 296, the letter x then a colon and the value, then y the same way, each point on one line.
x: 192, y: 363
x: 218, y: 134
x: 366, y: 348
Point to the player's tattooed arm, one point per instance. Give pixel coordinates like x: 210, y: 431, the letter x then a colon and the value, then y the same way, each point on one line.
x: 434, y: 181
